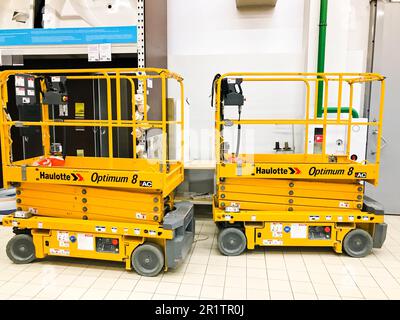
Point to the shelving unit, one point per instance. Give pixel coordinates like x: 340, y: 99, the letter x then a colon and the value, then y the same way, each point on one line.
x: 149, y: 49
x: 62, y: 50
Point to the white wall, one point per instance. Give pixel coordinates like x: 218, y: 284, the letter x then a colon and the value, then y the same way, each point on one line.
x: 212, y: 36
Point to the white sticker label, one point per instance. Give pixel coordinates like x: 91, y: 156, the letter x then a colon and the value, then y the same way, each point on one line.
x: 59, y: 252
x: 19, y: 81
x: 63, y: 244
x: 100, y: 229
x: 31, y: 92
x: 63, y: 236
x: 140, y: 216
x: 351, y: 218
x: 105, y: 52
x: 276, y: 227
x: 298, y: 231
x: 40, y: 225
x: 273, y: 242
x: 55, y: 79
x: 152, y: 232
x: 231, y: 81
x: 63, y: 110
x: 136, y: 231
x: 277, y: 234
x: 93, y: 52
x: 85, y: 242
x: 314, y: 218
x: 26, y: 100
x: 114, y: 230
x: 328, y: 217
x: 150, y: 83
x: 31, y: 82
x: 232, y: 209
x: 20, y: 91
x: 344, y: 204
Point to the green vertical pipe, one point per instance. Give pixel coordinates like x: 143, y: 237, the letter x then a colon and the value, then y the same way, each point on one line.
x: 323, y: 18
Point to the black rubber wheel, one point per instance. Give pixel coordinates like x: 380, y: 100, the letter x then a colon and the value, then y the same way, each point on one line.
x: 231, y: 241
x: 20, y: 249
x: 358, y: 243
x: 148, y: 260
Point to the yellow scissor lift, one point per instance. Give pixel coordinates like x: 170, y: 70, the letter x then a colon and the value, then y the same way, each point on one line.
x: 108, y: 208
x: 296, y: 199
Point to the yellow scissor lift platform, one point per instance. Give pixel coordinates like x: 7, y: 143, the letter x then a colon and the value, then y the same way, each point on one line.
x: 107, y: 208
x: 296, y: 199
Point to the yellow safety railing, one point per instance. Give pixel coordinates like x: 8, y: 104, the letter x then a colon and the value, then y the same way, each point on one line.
x: 133, y: 76
x: 309, y: 79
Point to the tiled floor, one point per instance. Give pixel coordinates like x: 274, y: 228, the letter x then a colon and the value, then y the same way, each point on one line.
x: 273, y: 273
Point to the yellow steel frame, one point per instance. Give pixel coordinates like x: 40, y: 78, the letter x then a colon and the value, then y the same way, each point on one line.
x: 165, y: 173
x: 265, y: 177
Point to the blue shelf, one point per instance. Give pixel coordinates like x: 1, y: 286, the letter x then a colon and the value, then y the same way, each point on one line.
x: 68, y: 36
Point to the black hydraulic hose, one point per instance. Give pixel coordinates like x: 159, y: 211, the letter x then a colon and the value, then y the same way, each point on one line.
x: 64, y: 154
x: 238, y: 132
x: 217, y: 76
x: 213, y: 89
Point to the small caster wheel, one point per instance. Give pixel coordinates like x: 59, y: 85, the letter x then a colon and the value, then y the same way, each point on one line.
x: 231, y: 241
x: 20, y: 249
x: 358, y: 243
x: 148, y: 260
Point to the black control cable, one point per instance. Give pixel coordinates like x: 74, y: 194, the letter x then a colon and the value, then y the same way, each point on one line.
x: 238, y: 132
x: 217, y: 76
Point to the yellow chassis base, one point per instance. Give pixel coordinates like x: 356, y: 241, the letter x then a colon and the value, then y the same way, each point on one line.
x: 78, y: 238
x: 282, y: 228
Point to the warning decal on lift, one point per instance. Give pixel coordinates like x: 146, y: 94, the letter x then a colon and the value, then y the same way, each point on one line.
x: 343, y: 204
x: 299, y: 231
x: 277, y: 234
x: 63, y: 236
x: 59, y: 252
x: 85, y: 242
x: 140, y: 216
x: 276, y: 227
x: 273, y: 242
x: 100, y: 229
x: 63, y: 244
